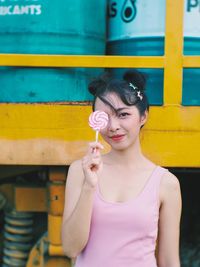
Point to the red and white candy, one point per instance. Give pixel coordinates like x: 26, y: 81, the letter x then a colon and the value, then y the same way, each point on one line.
x: 98, y: 120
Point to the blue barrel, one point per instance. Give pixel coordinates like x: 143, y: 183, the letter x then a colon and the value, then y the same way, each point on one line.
x: 191, y: 76
x: 138, y: 28
x: 50, y: 27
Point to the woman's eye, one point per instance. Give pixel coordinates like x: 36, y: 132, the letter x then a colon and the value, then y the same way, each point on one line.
x: 123, y: 115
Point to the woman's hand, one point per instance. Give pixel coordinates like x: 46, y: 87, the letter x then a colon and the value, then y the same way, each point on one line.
x: 92, y: 164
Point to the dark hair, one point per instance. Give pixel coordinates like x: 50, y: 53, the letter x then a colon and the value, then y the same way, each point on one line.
x: 130, y: 89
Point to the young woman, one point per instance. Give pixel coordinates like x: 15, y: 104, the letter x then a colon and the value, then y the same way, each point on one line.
x: 121, y: 209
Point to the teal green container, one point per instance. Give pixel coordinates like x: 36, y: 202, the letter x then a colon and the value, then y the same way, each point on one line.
x: 138, y: 28
x: 52, y: 27
x: 68, y: 27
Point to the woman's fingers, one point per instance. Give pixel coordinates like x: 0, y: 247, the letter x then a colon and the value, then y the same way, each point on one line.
x: 95, y: 146
x: 88, y: 162
x: 92, y: 163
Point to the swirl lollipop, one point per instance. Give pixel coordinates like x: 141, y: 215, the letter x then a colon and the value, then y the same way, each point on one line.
x: 98, y: 120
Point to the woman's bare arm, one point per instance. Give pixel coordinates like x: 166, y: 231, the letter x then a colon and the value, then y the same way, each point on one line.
x: 80, y: 187
x: 169, y: 222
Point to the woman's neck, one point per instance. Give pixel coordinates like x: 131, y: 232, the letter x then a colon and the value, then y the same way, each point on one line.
x: 131, y: 156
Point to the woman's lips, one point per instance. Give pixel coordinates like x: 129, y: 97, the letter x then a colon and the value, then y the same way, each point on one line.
x: 117, y: 137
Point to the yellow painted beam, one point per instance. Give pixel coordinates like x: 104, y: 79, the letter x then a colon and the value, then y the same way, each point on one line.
x: 30, y: 199
x: 36, y: 255
x: 172, y: 149
x: 92, y: 61
x: 166, y: 147
x: 29, y: 137
x: 56, y: 258
x: 56, y: 197
x: 54, y: 230
x: 174, y: 118
x: 40, y: 199
x: 81, y: 61
x: 70, y: 122
x: 27, y: 121
x: 191, y: 61
x: 56, y: 250
x: 173, y: 52
x: 39, y: 151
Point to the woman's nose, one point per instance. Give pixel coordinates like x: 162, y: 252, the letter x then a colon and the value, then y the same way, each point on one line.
x: 113, y: 124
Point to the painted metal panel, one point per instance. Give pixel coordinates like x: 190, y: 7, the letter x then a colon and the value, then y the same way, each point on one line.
x: 140, y: 28
x: 59, y: 134
x: 49, y: 27
x: 191, y: 86
x: 43, y: 27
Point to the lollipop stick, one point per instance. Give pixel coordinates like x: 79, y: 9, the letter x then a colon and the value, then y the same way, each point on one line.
x: 97, y: 134
x: 96, y: 140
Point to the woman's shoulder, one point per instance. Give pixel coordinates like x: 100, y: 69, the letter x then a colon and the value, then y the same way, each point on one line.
x: 76, y: 165
x: 75, y: 173
x: 169, y: 179
x: 169, y: 184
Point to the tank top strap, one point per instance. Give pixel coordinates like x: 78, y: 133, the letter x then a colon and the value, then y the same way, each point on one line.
x: 158, y: 173
x: 156, y: 176
x: 153, y: 186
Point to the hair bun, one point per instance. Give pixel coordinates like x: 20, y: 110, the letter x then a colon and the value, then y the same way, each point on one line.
x: 99, y: 83
x: 93, y: 86
x: 135, y: 77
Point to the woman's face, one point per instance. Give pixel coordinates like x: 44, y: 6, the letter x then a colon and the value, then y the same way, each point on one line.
x: 124, y: 122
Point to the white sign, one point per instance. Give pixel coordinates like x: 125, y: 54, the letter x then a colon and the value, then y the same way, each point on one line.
x: 145, y: 18
x: 192, y: 18
x: 19, y: 7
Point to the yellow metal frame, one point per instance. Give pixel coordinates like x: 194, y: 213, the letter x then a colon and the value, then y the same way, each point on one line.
x: 59, y: 142
x: 47, y: 134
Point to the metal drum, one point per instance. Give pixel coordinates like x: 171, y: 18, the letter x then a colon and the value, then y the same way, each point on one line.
x: 138, y: 28
x: 191, y: 76
x: 50, y: 27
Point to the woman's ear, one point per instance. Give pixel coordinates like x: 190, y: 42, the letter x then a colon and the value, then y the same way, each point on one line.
x: 144, y: 118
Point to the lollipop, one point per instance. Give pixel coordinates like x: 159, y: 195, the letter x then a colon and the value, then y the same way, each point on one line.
x: 98, y: 120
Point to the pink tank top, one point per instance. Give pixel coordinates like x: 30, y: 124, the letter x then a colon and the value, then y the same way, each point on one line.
x: 124, y: 234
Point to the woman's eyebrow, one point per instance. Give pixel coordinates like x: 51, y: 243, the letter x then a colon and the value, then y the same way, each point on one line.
x: 120, y: 109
